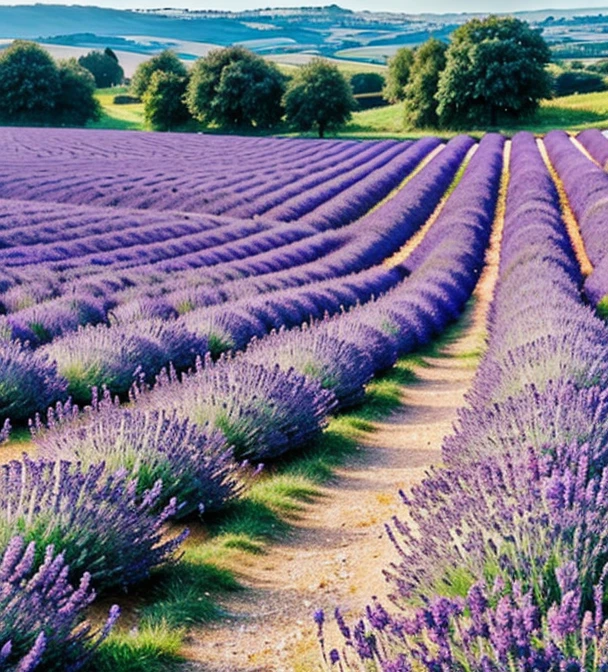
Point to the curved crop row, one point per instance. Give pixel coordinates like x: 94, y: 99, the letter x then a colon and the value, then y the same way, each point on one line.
x: 506, y: 551
x: 586, y: 185
x: 113, y: 355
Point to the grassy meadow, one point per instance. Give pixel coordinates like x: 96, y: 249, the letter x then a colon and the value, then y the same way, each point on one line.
x: 575, y: 113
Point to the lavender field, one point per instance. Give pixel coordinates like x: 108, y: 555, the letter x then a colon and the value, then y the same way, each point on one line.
x: 176, y: 317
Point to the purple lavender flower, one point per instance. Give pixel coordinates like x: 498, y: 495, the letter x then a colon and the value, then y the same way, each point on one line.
x: 196, y: 467
x: 41, y: 622
x: 96, y: 520
x: 29, y: 382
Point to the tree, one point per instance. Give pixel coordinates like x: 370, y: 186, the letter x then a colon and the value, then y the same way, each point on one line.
x: 421, y: 89
x: 367, y: 82
x: 319, y: 97
x: 567, y: 83
x: 76, y: 103
x: 164, y: 106
x: 29, y: 83
x: 494, y: 68
x: 104, y: 67
x: 398, y: 74
x: 600, y: 66
x: 166, y: 61
x: 236, y: 88
x: 111, y: 53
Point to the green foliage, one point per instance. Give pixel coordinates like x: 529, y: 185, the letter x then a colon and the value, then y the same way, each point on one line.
x: 36, y: 90
x: 367, y: 82
x: 570, y: 82
x: 76, y: 104
x: 110, y: 53
x: 399, y: 67
x: 29, y: 83
x: 104, y: 67
x: 421, y: 90
x: 319, y: 97
x: 495, y: 70
x: 166, y: 61
x: 600, y: 66
x: 164, y: 106
x: 602, y: 307
x: 235, y: 88
x: 149, y: 649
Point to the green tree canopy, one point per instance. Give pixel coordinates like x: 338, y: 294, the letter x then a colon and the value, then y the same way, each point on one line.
x: 367, y: 82
x: 421, y: 89
x: 600, y: 66
x: 495, y: 69
x: 76, y: 103
x: 399, y: 67
x: 577, y: 81
x: 29, y: 83
x: 166, y: 61
x: 236, y: 88
x: 104, y: 67
x: 319, y: 97
x: 164, y: 106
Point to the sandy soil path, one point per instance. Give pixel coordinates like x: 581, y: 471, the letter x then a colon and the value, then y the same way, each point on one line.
x: 338, y: 547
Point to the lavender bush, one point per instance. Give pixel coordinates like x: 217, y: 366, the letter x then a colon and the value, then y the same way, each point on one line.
x: 196, y: 468
x: 263, y: 411
x: 503, y: 558
x: 41, y: 622
x: 491, y: 629
x: 338, y: 365
x: 596, y: 144
x: 115, y: 356
x: 95, y: 519
x: 29, y: 382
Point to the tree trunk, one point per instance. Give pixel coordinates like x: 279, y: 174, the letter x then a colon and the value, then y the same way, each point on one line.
x: 493, y: 116
x: 321, y: 130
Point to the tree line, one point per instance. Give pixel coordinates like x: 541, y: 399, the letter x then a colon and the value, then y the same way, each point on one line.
x: 493, y: 71
x: 236, y: 89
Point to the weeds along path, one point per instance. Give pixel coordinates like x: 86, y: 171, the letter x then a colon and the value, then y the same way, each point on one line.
x: 337, y: 549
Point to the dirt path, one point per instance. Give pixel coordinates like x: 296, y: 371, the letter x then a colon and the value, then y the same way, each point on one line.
x: 338, y: 547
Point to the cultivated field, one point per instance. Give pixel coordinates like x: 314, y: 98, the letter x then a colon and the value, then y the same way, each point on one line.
x: 194, y: 335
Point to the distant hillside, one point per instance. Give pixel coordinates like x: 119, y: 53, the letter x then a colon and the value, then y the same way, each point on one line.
x: 290, y: 34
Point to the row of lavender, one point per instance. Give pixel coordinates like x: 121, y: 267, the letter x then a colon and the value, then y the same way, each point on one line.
x: 272, y: 398
x: 150, y: 334
x: 503, y: 564
x: 171, y: 253
x: 586, y: 185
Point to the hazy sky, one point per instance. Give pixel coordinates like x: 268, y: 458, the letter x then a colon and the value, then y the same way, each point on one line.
x: 409, y: 6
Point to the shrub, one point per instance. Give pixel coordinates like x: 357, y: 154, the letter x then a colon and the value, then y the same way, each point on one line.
x: 29, y: 382
x: 41, y: 613
x: 338, y: 365
x: 124, y: 99
x: 196, y: 467
x: 567, y: 83
x: 117, y: 356
x: 96, y: 520
x: 263, y: 411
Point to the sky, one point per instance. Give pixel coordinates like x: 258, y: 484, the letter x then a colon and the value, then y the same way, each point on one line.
x: 408, y: 6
